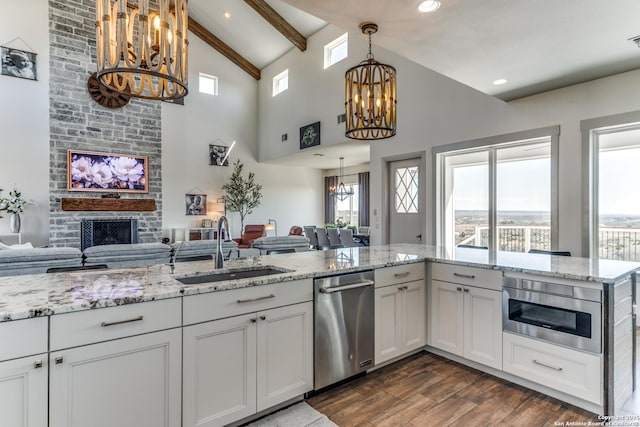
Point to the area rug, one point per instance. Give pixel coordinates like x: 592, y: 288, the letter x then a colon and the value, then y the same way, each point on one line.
x: 298, y: 415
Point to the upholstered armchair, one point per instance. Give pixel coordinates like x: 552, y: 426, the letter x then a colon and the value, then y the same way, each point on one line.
x: 295, y: 231
x: 251, y: 233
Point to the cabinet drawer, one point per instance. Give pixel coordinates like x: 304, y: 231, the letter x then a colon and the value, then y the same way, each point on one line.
x: 218, y: 305
x: 399, y: 274
x: 569, y: 371
x: 480, y: 277
x: 21, y: 338
x: 91, y: 326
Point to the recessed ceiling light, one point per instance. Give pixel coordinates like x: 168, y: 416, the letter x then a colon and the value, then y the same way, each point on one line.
x: 227, y: 15
x: 499, y: 82
x: 429, y: 6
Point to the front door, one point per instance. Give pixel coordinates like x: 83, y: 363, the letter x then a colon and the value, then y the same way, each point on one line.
x: 406, y: 212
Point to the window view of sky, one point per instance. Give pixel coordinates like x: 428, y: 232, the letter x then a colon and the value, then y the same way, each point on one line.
x: 522, y: 186
x: 619, y: 182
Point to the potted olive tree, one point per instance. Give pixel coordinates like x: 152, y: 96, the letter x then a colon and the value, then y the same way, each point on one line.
x: 241, y: 194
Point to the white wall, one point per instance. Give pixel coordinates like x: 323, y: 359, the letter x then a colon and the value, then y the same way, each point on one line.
x: 24, y: 118
x: 314, y: 94
x: 291, y: 195
x: 434, y: 110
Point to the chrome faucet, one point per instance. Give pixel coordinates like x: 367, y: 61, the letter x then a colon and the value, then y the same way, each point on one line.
x: 219, y: 257
x: 174, y: 255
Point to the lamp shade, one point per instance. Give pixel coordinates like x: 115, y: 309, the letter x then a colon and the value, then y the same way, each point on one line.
x: 370, y: 97
x: 142, y: 52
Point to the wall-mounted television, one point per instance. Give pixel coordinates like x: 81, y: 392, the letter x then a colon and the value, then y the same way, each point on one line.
x: 107, y: 172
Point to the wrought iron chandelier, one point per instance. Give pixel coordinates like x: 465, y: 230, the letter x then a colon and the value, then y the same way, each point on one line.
x: 341, y: 192
x: 370, y: 96
x: 142, y: 52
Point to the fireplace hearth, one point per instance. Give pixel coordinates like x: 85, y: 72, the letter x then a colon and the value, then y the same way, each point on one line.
x: 95, y: 232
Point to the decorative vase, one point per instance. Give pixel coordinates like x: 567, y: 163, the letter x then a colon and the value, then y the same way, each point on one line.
x: 14, y: 223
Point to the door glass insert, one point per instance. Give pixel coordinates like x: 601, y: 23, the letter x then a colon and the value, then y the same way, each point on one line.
x: 406, y: 188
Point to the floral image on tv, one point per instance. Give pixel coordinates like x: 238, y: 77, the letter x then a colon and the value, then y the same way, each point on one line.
x: 94, y: 171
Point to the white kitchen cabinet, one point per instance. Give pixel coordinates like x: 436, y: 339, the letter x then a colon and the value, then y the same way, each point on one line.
x: 127, y: 382
x: 23, y: 392
x: 219, y: 376
x: 23, y: 372
x: 446, y: 308
x: 241, y: 365
x: 569, y: 371
x: 467, y: 321
x: 400, y: 319
x: 483, y: 326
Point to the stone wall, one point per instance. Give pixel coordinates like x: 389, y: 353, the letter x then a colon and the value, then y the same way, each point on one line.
x: 79, y: 123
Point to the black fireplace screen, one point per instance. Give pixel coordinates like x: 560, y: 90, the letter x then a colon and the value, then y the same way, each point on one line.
x: 95, y: 232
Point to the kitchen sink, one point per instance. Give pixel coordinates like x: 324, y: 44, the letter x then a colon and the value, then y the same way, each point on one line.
x: 230, y: 275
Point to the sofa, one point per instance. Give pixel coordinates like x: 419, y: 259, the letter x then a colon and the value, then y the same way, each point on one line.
x: 265, y: 244
x: 15, y: 262
x: 128, y: 255
x: 196, y: 248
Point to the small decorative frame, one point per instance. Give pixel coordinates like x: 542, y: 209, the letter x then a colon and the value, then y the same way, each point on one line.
x: 18, y: 63
x: 196, y: 204
x: 218, y: 155
x: 310, y: 135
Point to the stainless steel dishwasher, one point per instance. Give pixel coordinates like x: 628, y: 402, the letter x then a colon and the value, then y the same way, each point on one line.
x: 343, y: 326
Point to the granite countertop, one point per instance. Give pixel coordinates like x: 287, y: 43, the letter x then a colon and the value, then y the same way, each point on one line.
x: 46, y: 294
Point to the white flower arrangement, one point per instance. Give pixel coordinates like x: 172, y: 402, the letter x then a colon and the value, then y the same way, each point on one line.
x: 14, y: 204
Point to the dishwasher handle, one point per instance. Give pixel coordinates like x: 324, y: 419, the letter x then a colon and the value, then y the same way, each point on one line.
x: 346, y: 287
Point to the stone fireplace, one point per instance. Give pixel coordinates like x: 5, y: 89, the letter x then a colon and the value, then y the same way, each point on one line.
x: 77, y: 122
x: 95, y: 232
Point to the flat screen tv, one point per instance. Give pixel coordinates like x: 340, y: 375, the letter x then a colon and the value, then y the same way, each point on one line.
x: 107, y: 172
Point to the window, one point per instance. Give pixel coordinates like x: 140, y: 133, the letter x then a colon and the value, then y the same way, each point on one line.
x: 281, y: 82
x: 613, y: 207
x: 347, y: 210
x: 208, y: 84
x: 498, y: 193
x: 336, y: 51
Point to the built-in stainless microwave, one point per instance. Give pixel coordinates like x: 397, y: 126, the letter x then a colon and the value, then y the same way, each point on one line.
x: 562, y: 314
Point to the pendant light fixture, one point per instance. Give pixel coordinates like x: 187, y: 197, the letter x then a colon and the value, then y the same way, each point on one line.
x: 370, y: 96
x: 142, y: 52
x: 341, y: 192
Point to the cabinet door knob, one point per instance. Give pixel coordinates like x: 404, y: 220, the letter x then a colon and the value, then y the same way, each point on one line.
x: 59, y: 360
x: 253, y: 320
x: 459, y: 289
x: 263, y: 317
x: 466, y: 290
x: 37, y: 364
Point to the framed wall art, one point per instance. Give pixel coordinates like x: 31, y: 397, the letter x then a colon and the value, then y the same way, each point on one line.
x: 196, y: 204
x: 18, y: 63
x: 218, y: 155
x: 310, y: 135
x: 106, y: 172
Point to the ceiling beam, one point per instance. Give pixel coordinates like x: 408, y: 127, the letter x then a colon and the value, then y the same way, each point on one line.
x: 223, y: 48
x: 279, y: 23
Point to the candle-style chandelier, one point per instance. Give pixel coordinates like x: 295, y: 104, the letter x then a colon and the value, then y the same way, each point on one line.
x: 142, y: 52
x: 370, y: 96
x: 341, y: 192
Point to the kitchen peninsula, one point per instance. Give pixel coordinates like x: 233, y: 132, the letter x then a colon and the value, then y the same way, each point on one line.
x: 154, y: 321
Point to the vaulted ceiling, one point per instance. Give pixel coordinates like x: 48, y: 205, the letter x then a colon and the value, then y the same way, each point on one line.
x: 535, y: 46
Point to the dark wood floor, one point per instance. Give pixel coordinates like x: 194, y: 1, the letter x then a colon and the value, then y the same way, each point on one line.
x: 428, y: 390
